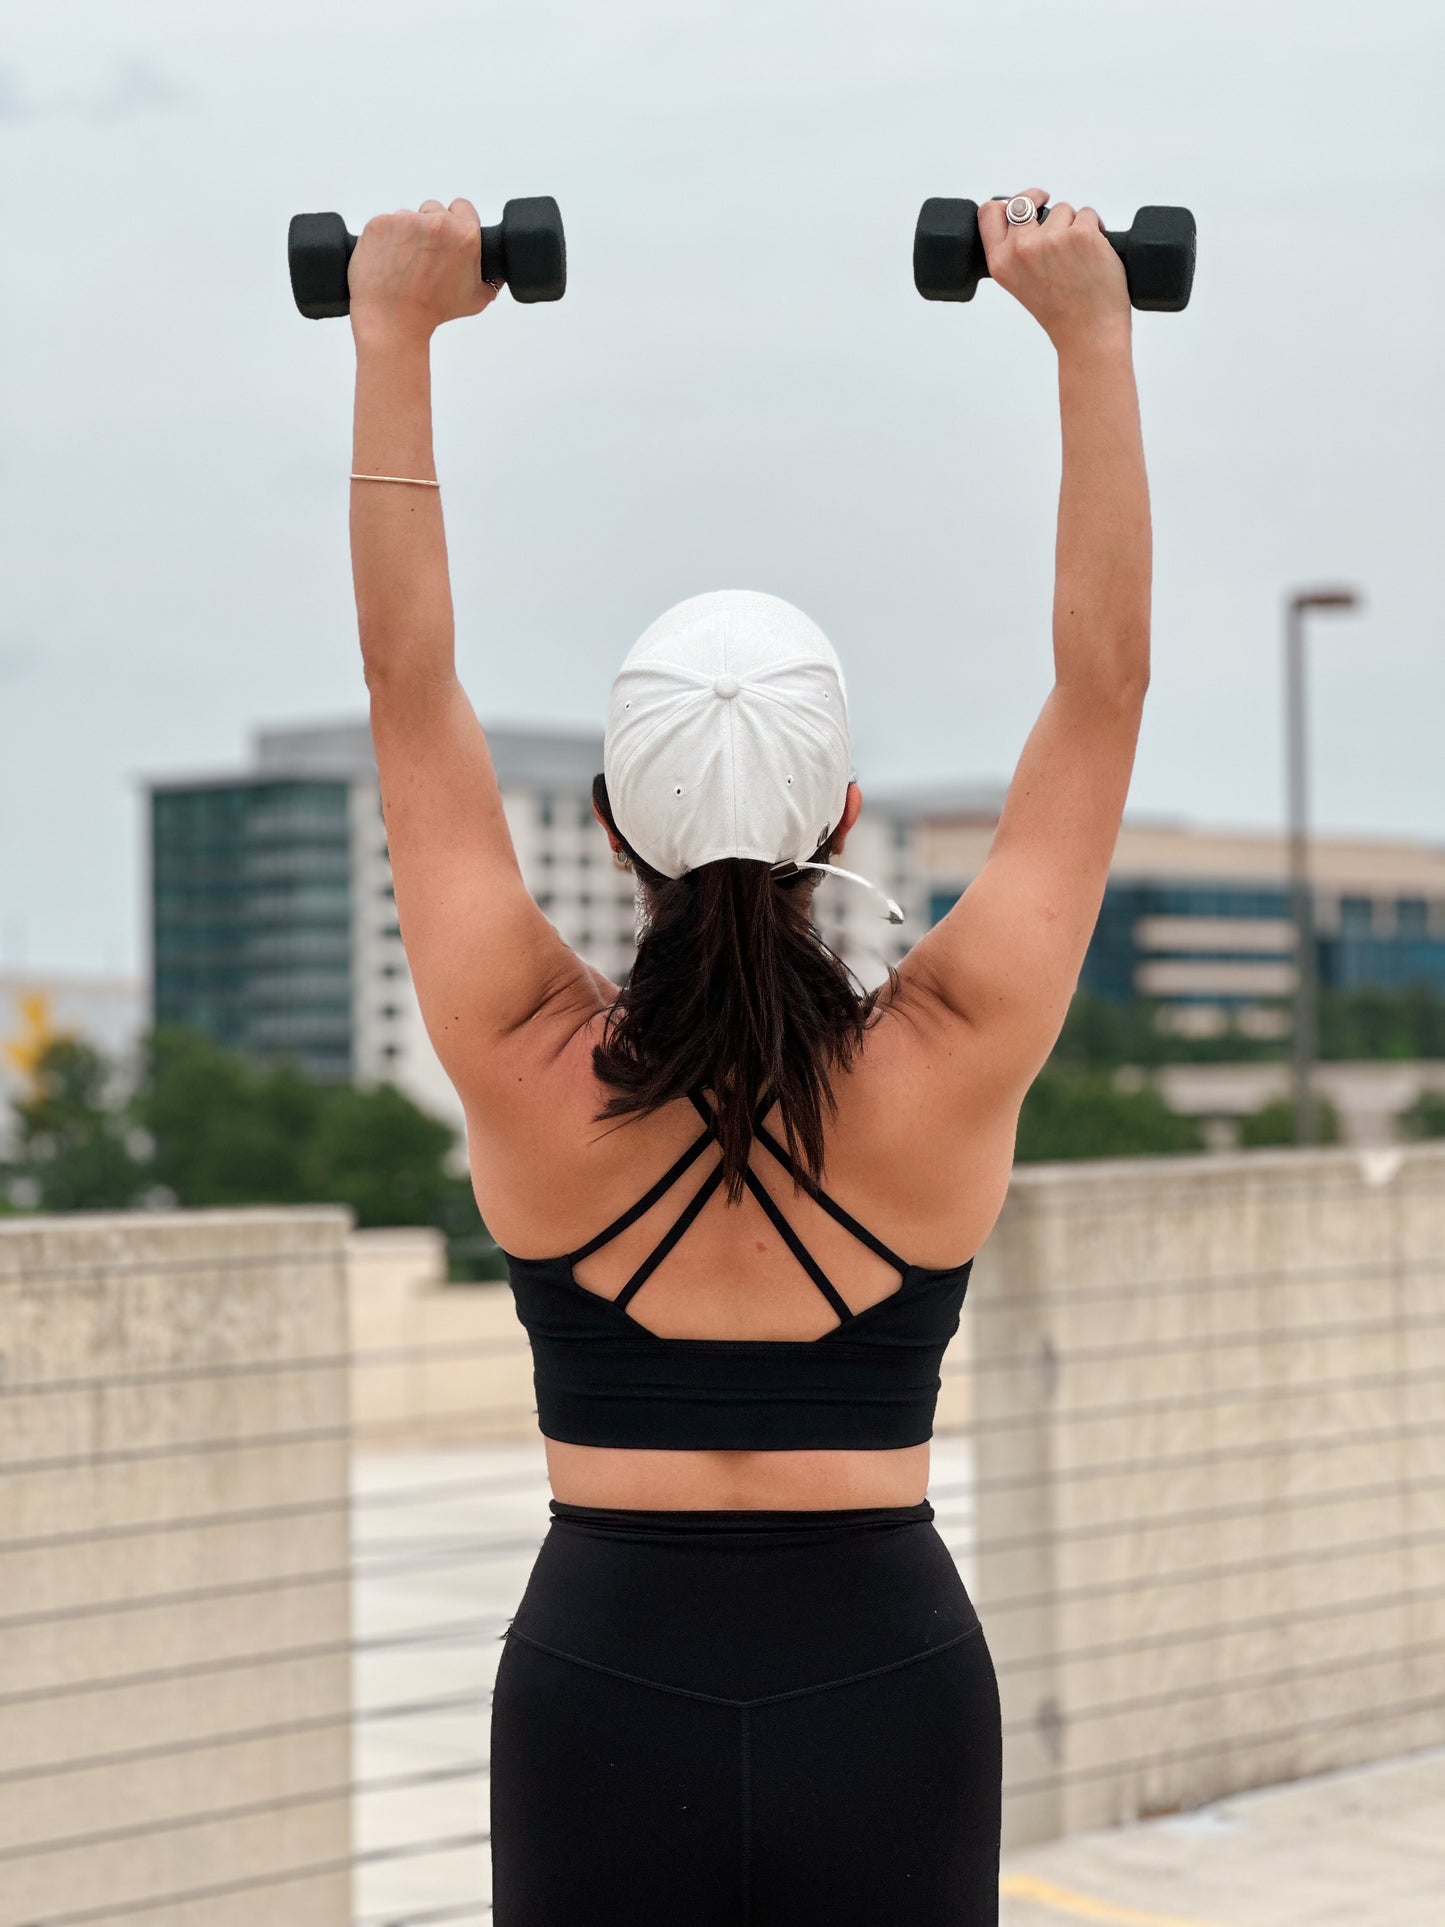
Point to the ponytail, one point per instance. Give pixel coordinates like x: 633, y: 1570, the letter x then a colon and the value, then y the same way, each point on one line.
x: 733, y: 990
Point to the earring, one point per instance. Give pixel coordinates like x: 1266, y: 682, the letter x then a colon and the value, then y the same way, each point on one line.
x: 622, y: 860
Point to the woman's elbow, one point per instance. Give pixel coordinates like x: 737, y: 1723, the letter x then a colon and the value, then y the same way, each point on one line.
x: 1115, y: 678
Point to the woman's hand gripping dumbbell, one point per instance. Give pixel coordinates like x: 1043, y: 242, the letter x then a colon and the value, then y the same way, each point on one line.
x: 445, y: 254
x: 951, y: 256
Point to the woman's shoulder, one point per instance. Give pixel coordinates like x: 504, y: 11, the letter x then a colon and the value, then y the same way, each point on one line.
x: 902, y: 1140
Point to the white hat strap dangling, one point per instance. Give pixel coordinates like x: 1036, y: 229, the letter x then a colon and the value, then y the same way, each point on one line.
x: 892, y: 910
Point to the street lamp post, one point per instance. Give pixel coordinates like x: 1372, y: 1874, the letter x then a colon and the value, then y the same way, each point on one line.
x: 1301, y: 906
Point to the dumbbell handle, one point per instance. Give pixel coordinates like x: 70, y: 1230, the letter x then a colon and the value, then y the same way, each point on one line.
x: 1119, y: 242
x: 1158, y: 254
x: 330, y: 245
x: 494, y: 254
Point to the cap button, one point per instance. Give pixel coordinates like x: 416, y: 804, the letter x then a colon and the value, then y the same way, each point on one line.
x: 726, y: 687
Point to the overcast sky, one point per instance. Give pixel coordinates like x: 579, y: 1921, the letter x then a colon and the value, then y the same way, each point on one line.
x: 741, y: 387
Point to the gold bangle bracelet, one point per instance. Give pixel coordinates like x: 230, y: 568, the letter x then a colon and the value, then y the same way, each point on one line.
x: 411, y: 481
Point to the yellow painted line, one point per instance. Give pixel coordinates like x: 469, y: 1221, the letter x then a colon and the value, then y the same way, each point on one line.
x: 1064, y: 1900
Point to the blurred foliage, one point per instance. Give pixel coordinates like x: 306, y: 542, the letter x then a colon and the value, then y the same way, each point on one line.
x: 73, y: 1146
x: 1102, y: 1033
x: 1425, y: 1118
x: 1081, y: 1114
x: 1395, y: 1024
x: 204, y: 1127
x: 1273, y: 1123
x: 224, y: 1132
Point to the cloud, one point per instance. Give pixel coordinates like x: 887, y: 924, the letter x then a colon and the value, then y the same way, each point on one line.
x: 133, y: 87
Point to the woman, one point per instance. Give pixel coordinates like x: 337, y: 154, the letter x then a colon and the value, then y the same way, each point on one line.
x: 745, y: 1683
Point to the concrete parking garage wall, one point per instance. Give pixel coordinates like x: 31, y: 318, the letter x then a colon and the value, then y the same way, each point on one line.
x: 174, y: 1584
x: 1211, y: 1475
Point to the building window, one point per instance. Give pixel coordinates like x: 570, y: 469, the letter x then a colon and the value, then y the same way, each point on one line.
x: 1356, y: 915
x: 391, y: 1050
x: 546, y: 812
x: 1411, y: 916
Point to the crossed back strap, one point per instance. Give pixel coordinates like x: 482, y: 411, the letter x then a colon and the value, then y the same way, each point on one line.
x: 691, y: 1210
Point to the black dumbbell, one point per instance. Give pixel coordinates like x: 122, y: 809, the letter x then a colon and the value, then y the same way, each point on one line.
x: 1157, y: 252
x: 526, y: 249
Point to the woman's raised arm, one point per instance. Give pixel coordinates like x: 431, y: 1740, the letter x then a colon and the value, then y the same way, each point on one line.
x: 482, y: 955
x: 1006, y: 958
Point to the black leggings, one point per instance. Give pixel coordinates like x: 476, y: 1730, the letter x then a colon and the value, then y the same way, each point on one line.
x: 745, y: 1719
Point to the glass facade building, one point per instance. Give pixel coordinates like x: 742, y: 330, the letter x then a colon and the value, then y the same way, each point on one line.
x: 1388, y: 947
x: 1118, y: 952
x: 1381, y: 941
x: 274, y: 925
x: 251, y: 922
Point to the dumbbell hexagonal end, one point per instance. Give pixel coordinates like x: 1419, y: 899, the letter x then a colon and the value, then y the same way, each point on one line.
x: 318, y: 252
x: 536, y: 248
x: 1160, y: 259
x: 948, y: 259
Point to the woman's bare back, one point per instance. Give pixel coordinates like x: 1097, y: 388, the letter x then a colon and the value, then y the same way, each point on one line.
x: 907, y: 1155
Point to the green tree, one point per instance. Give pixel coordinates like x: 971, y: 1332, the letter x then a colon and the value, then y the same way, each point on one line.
x: 1095, y: 1033
x: 226, y: 1132
x: 1425, y: 1015
x: 1425, y: 1118
x: 1383, y: 1024
x: 1102, y: 1033
x: 223, y: 1132
x: 1080, y: 1114
x: 73, y: 1148
x: 1364, y: 1023
x: 376, y: 1152
x: 1273, y: 1124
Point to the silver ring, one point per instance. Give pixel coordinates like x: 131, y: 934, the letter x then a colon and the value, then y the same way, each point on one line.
x: 1020, y: 211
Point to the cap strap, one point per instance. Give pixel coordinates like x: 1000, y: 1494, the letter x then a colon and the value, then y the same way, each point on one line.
x: 891, y: 909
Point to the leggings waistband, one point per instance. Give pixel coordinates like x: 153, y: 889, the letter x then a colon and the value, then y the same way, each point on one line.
x: 742, y: 1605
x: 696, y: 1523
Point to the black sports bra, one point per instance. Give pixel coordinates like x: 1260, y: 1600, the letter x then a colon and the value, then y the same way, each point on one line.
x: 604, y: 1379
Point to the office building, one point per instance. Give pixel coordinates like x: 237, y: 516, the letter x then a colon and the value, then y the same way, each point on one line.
x: 1199, y: 919
x: 274, y: 928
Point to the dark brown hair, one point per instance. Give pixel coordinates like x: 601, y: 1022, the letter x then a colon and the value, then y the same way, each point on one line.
x: 733, y: 990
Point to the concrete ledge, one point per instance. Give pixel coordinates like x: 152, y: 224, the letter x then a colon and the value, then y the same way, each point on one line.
x: 1212, y: 1474
x: 174, y: 1566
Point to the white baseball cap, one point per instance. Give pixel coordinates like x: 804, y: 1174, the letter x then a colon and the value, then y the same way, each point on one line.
x: 727, y: 736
